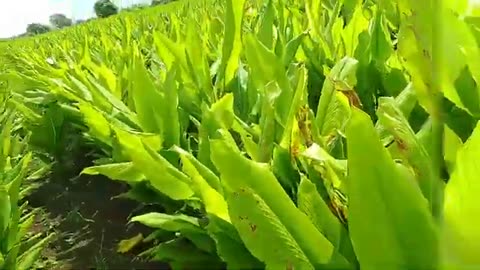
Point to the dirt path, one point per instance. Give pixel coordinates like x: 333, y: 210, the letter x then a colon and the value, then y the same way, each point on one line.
x: 90, y: 223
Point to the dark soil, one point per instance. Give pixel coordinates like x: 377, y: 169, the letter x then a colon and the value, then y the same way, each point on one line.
x: 88, y: 221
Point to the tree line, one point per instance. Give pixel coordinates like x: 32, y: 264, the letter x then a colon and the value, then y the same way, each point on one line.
x: 102, y: 8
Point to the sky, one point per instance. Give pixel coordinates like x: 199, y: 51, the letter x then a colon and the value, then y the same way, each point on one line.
x: 15, y: 15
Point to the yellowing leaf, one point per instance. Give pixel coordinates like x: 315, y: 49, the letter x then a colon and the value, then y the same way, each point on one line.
x: 128, y: 244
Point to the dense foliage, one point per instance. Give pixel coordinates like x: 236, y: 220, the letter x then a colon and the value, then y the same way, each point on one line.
x: 278, y: 134
x: 20, y: 247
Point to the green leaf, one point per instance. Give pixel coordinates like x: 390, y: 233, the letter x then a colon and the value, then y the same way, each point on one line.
x: 405, y: 102
x: 352, y: 31
x: 183, y: 255
x: 98, y: 125
x: 219, y: 115
x: 459, y: 48
x: 230, y: 247
x: 156, y: 169
x: 292, y: 47
x: 265, y: 31
x: 187, y: 226
x: 380, y: 44
x: 170, y: 126
x: 311, y: 203
x: 125, y: 171
x: 166, y: 222
x: 263, y: 233
x: 232, y: 43
x: 5, y: 210
x: 239, y: 173
x: 461, y: 237
x: 146, y: 98
x: 27, y: 260
x: 333, y: 108
x: 214, y: 202
x: 452, y: 144
x: 410, y: 149
x: 273, y: 74
x: 386, y: 212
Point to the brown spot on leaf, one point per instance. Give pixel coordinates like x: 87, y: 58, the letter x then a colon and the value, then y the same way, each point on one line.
x: 253, y: 227
x: 401, y: 144
x: 426, y: 53
x: 290, y: 266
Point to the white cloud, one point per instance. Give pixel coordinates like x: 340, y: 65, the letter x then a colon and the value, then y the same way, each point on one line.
x: 15, y: 15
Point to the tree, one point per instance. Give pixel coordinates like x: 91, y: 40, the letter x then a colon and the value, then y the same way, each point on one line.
x: 60, y: 21
x: 79, y: 21
x: 37, y: 28
x: 105, y: 8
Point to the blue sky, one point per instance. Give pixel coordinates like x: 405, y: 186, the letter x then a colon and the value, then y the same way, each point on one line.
x: 15, y: 15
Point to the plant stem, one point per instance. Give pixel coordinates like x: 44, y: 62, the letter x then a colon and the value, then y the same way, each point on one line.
x: 437, y: 98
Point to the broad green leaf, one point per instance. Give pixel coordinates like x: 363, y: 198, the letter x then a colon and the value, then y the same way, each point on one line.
x: 262, y: 75
x: 333, y: 108
x: 232, y: 43
x: 333, y: 171
x: 146, y: 98
x: 214, y: 202
x: 452, y: 144
x: 265, y: 31
x: 170, y: 127
x: 310, y: 202
x: 219, y: 115
x: 386, y: 212
x: 229, y: 245
x: 210, y: 177
x: 411, y: 150
x: 405, y: 102
x: 5, y: 210
x: 263, y: 233
x: 185, y: 225
x: 380, y: 44
x: 267, y: 122
x: 125, y: 171
x: 157, y: 170
x: 458, y: 47
x: 351, y: 32
x: 182, y: 254
x: 313, y: 10
x: 239, y: 173
x: 292, y: 47
x: 168, y: 222
x: 461, y: 238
